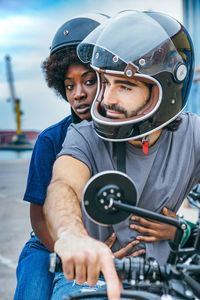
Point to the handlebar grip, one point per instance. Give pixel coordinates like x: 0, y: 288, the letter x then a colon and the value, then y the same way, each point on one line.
x: 128, y: 268
x: 122, y: 265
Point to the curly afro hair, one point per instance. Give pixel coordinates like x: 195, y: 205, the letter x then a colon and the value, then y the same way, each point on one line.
x: 55, y: 68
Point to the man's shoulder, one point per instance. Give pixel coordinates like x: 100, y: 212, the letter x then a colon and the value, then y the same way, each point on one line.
x: 84, y: 133
x: 84, y: 128
x: 85, y: 125
x: 189, y: 127
x: 190, y: 118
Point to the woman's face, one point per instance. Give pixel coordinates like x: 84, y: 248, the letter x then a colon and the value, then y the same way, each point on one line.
x: 80, y: 86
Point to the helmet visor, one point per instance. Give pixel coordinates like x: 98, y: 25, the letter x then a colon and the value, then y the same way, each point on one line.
x: 133, y: 37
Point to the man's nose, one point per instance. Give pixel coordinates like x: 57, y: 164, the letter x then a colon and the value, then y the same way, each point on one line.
x: 79, y: 93
x: 110, y: 96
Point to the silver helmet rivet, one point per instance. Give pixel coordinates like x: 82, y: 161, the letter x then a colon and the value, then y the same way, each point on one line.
x: 181, y: 72
x: 142, y: 62
x: 115, y: 58
x: 173, y: 101
x: 66, y: 32
x: 129, y: 73
x: 97, y: 55
x: 86, y: 202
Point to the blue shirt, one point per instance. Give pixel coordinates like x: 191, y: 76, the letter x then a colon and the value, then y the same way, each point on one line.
x: 47, y: 146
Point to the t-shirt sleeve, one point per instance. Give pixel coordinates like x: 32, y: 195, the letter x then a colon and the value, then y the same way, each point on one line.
x: 40, y: 170
x: 78, y: 144
x: 196, y: 131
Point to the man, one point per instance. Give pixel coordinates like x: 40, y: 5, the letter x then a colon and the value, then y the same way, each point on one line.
x: 145, y: 66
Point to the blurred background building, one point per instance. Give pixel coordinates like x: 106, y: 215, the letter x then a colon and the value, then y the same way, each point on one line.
x: 191, y: 20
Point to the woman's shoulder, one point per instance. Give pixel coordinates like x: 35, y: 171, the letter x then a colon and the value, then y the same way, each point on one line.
x: 57, y: 128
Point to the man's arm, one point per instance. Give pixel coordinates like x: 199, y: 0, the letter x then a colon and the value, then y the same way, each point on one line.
x: 82, y: 256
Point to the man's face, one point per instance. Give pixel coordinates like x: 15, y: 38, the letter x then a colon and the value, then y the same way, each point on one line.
x: 123, y: 97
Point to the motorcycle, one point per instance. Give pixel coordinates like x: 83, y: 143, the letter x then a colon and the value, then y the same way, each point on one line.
x: 110, y: 197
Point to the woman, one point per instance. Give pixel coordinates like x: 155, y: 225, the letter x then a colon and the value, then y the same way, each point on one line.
x: 76, y: 83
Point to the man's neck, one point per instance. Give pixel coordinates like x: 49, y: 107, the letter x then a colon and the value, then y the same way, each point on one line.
x: 153, y: 138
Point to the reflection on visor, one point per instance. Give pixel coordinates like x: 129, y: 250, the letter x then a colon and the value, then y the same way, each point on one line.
x: 113, y: 46
x: 103, y: 59
x: 84, y: 52
x: 161, y: 58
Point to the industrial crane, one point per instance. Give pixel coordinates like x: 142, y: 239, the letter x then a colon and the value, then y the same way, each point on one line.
x: 19, y: 138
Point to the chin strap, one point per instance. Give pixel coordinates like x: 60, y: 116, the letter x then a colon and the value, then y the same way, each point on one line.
x: 120, y: 152
x: 145, y: 144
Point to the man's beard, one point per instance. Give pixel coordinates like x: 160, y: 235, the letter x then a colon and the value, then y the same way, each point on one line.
x: 119, y: 109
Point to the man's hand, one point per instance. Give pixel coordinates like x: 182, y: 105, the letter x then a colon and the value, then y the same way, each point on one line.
x: 84, y: 257
x: 126, y: 250
x: 154, y: 231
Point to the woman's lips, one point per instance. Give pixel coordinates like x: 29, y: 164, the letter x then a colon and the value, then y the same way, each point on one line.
x: 82, y: 109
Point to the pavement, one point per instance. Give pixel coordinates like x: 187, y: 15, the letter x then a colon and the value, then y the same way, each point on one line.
x: 15, y: 223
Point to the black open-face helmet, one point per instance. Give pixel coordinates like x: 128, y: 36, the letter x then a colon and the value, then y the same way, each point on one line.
x: 148, y: 46
x: 72, y: 32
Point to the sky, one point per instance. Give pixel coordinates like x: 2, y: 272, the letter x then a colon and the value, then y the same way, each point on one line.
x: 27, y: 28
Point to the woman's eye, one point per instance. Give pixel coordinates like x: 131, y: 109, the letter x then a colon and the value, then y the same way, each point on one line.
x: 91, y: 81
x: 69, y: 87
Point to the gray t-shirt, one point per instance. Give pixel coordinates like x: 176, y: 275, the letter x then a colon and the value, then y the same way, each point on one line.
x: 163, y: 177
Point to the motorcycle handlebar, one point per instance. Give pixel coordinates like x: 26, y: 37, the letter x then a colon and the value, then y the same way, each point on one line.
x: 128, y: 268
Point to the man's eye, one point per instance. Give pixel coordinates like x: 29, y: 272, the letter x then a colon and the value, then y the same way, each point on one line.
x: 125, y: 88
x: 69, y: 87
x: 91, y: 81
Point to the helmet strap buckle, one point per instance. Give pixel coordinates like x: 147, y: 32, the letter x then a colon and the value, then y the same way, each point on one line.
x: 145, y: 144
